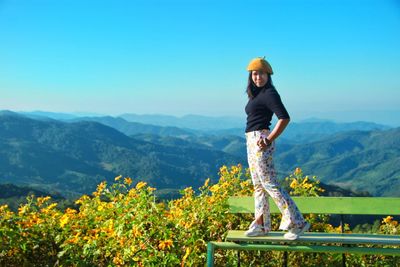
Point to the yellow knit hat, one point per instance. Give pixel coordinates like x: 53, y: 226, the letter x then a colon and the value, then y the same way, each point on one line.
x: 260, y: 64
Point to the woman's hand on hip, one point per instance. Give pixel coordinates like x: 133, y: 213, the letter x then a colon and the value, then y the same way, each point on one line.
x: 263, y: 143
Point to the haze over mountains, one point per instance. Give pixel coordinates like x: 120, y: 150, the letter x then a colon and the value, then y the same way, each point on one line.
x: 73, y: 154
x: 75, y: 157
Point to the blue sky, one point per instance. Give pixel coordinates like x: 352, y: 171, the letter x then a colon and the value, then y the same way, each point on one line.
x: 332, y: 59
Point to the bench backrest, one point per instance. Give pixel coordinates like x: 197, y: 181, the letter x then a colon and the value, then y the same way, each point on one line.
x: 327, y: 205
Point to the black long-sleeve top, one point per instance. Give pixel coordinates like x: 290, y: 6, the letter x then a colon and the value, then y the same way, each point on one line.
x: 262, y: 106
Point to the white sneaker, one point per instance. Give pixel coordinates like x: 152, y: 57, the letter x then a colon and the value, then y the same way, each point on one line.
x: 255, y: 230
x: 294, y: 233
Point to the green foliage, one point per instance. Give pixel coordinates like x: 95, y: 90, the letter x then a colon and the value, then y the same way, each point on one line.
x: 125, y: 225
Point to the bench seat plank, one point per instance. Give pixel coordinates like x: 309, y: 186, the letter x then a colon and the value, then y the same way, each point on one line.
x: 299, y: 248
x: 314, y: 237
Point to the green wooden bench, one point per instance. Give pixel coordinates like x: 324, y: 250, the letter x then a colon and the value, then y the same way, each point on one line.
x: 316, y: 242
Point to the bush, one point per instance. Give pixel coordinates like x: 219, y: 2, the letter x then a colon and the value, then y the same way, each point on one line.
x: 124, y: 225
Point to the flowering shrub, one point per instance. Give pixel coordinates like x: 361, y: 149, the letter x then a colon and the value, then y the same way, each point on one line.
x: 390, y: 226
x: 124, y: 225
x: 301, y: 185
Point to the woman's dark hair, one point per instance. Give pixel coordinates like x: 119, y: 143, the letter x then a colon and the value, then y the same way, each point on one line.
x: 251, y: 87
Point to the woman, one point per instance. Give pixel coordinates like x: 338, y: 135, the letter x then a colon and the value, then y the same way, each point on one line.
x: 264, y: 101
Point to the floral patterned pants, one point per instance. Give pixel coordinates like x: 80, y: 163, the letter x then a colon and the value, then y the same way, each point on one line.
x: 265, y: 184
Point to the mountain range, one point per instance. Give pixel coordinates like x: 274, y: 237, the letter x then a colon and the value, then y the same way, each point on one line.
x: 73, y: 155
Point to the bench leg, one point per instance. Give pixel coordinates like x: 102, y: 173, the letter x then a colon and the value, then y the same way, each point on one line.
x: 342, y: 230
x: 343, y: 260
x: 210, y: 255
x: 238, y: 256
x: 285, y: 259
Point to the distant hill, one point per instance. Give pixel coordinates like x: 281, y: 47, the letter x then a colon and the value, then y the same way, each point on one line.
x: 318, y: 130
x: 10, y: 190
x: 13, y: 195
x: 195, y: 122
x: 232, y: 141
x: 229, y: 144
x: 359, y: 160
x: 310, y: 131
x: 174, y: 136
x: 52, y: 115
x: 74, y: 157
x: 132, y: 128
x: 313, y: 135
x: 38, y: 114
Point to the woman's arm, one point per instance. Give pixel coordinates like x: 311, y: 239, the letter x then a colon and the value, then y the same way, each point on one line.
x: 278, y: 129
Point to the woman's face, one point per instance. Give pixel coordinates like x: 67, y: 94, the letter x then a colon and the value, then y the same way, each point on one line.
x: 259, y: 78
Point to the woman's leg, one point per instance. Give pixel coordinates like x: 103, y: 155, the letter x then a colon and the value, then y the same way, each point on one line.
x: 264, y: 167
x: 261, y: 204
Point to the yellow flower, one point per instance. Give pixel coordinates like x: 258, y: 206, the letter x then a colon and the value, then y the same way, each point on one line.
x: 188, y: 191
x: 132, y: 193
x: 175, y: 213
x: 117, y: 259
x: 100, y: 207
x: 122, y: 241
x: 245, y: 183
x: 82, y: 199
x: 22, y: 210
x: 3, y: 208
x: 297, y: 171
x: 165, y: 244
x: 223, y: 170
x: 207, y: 182
x: 294, y: 184
x: 75, y: 239
x: 109, y: 229
x: 388, y: 219
x: 64, y: 220
x: 128, y: 181
x: 136, y: 232
x: 214, y: 188
x: 187, y: 224
x: 306, y: 186
x: 13, y: 251
x: 48, y: 208
x: 118, y: 177
x: 100, y: 188
x: 211, y: 200
x: 235, y: 170
x: 140, y: 185
x: 41, y: 200
x: 70, y: 211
